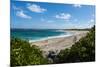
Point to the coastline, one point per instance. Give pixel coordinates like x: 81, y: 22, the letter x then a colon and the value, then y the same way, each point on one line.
x: 51, y: 37
x: 59, y: 43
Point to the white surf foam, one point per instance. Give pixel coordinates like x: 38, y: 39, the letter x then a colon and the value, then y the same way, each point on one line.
x: 51, y: 37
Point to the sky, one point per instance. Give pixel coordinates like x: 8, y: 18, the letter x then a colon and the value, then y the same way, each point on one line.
x: 40, y: 15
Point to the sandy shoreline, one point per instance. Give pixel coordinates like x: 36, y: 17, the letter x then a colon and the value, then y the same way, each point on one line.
x: 57, y: 44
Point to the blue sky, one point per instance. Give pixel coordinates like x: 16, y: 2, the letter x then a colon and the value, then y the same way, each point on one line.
x: 39, y: 15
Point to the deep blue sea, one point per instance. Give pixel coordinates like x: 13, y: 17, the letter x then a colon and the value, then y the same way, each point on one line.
x: 37, y: 34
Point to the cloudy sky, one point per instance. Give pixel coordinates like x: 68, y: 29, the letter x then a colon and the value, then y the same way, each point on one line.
x: 39, y: 15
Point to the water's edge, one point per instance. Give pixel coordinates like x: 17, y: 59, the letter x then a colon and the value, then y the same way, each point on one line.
x: 35, y: 35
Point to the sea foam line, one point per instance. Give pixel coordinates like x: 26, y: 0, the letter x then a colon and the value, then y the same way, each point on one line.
x: 51, y: 37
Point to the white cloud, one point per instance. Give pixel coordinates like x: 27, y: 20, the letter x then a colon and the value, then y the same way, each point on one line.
x: 36, y: 8
x: 23, y: 15
x: 77, y: 5
x: 91, y: 21
x: 16, y: 8
x: 20, y: 13
x: 64, y: 16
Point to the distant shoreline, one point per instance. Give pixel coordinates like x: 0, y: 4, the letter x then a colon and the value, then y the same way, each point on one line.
x: 84, y: 29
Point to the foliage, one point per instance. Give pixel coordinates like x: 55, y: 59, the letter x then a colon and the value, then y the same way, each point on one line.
x: 24, y: 54
x: 81, y: 51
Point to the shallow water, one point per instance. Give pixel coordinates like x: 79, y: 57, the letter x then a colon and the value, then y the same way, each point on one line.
x: 37, y: 34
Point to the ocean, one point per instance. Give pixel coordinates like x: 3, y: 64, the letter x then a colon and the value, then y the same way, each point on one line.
x: 37, y: 34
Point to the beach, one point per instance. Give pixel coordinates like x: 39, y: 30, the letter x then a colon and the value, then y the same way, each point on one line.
x: 59, y: 43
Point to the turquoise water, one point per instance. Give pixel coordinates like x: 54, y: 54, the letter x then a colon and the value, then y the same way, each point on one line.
x: 38, y: 34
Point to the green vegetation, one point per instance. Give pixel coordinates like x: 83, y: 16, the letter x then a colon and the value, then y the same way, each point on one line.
x: 81, y: 51
x: 24, y: 54
x: 86, y: 29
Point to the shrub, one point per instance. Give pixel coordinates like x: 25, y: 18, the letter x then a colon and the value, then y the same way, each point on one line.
x: 81, y: 51
x: 24, y: 54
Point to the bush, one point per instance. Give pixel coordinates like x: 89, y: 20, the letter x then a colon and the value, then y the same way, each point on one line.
x: 24, y: 54
x: 81, y: 51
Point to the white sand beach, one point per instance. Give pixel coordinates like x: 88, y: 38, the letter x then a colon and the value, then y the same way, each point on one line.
x: 57, y: 44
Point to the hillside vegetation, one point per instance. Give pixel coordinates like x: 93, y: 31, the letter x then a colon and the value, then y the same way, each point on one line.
x: 81, y: 51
